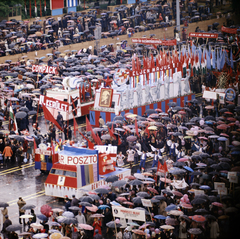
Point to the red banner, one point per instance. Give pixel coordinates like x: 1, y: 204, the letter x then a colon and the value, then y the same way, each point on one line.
x: 54, y: 103
x: 203, y: 35
x: 56, y: 4
x: 44, y: 69
x: 229, y: 30
x: 150, y: 41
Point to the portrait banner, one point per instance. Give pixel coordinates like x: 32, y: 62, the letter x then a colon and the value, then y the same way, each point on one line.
x: 106, y: 97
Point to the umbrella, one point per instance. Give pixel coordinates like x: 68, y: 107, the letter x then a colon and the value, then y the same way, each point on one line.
x: 40, y: 235
x: 45, y: 210
x: 198, y: 201
x: 86, y: 199
x: 4, y: 204
x: 14, y: 227
x: 160, y: 217
x: 198, y: 218
x: 150, y: 111
x: 172, y: 104
x: 85, y: 204
x: 68, y: 214
x: 135, y: 182
x: 119, y: 183
x: 36, y: 225
x: 195, y: 231
x: 85, y: 226
x: 177, y: 193
x: 102, y: 190
x: 112, y: 224
x: 167, y: 227
x: 28, y: 207
x: 201, y: 211
x: 111, y: 178
x: 26, y: 216
x: 131, y: 138
x: 143, y: 194
x: 137, y: 200
x: 74, y: 208
x: 138, y: 232
x: 20, y: 115
x: 205, y: 187
x: 139, y: 176
x: 170, y: 207
x: 42, y: 217
x: 153, y: 190
x: 69, y: 221
x: 171, y: 221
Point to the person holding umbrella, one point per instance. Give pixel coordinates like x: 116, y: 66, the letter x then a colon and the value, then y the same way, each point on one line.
x: 20, y: 204
x: 7, y: 223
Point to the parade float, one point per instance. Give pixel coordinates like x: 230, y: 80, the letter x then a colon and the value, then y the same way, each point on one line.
x: 80, y: 170
x: 138, y: 90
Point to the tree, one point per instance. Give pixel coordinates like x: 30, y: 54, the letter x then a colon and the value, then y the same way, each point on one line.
x: 6, y: 4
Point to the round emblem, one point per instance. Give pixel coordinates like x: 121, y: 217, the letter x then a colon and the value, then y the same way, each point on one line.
x: 120, y: 76
x: 230, y: 94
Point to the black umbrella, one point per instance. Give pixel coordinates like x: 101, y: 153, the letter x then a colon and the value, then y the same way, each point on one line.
x: 111, y: 178
x: 86, y: 199
x: 32, y: 112
x: 201, y: 211
x: 14, y: 227
x: 75, y: 208
x: 198, y: 201
x: 85, y: 204
x: 167, y: 192
x: 195, y: 173
x: 20, y: 115
x: 159, y: 197
x: 102, y: 190
x: 137, y: 200
x: 28, y: 207
x: 136, y: 182
x: 69, y: 221
x: 112, y: 224
x: 42, y: 217
x: 119, y: 183
x: 4, y: 204
x: 95, y: 197
x: 150, y: 111
x: 143, y: 194
x: 172, y: 104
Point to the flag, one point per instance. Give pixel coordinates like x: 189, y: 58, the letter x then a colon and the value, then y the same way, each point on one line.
x: 111, y: 132
x: 75, y: 126
x: 74, y: 109
x: 83, y: 92
x: 231, y: 58
x: 88, y: 125
x: 136, y: 128
x: 99, y: 140
x: 90, y: 144
x: 49, y: 116
x: 119, y: 141
x: 52, y: 148
x: 90, y: 89
x: 34, y: 145
x: 45, y: 6
x: 80, y: 98
x: 12, y: 117
x: 35, y: 8
x: 162, y: 168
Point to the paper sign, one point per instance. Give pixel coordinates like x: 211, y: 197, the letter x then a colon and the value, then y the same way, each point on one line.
x: 146, y: 202
x: 233, y: 179
x: 61, y: 181
x: 222, y: 191
x: 218, y: 186
x: 209, y: 95
x: 231, y: 174
x: 198, y: 192
x: 123, y: 212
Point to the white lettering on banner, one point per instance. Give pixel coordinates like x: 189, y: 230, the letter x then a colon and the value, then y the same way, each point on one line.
x: 53, y: 103
x: 198, y: 192
x: 77, y: 160
x: 123, y: 212
x: 44, y: 69
x: 44, y: 152
x: 146, y: 202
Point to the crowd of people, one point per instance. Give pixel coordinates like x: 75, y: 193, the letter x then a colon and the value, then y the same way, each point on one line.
x: 22, y: 37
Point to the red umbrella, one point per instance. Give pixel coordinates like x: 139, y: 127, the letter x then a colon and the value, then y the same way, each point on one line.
x: 224, y: 135
x: 181, y: 112
x: 220, y: 122
x: 222, y: 126
x: 121, y: 199
x: 85, y: 226
x: 128, y: 203
x: 131, y: 138
x: 188, y: 206
x: 198, y: 218
x: 231, y: 119
x: 97, y: 215
x: 177, y: 193
x: 130, y: 177
x: 218, y: 204
x: 46, y: 210
x: 166, y: 180
x: 228, y: 113
x: 158, y: 110
x: 139, y: 232
x: 93, y: 208
x: 183, y: 160
x: 153, y: 190
x: 231, y: 124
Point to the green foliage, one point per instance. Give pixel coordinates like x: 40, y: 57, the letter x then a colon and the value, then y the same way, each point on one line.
x: 4, y: 9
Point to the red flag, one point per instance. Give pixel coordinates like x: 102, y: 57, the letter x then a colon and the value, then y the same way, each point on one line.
x: 165, y: 169
x: 136, y: 128
x: 90, y: 90
x: 83, y: 92
x: 119, y: 141
x: 94, y: 136
x: 52, y: 148
x: 74, y: 109
x: 80, y: 98
x: 35, y: 146
x: 111, y: 132
x: 162, y: 168
x: 147, y: 131
x: 133, y: 64
x: 75, y: 125
x: 99, y: 140
x: 90, y: 144
x: 49, y: 116
x: 88, y: 125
